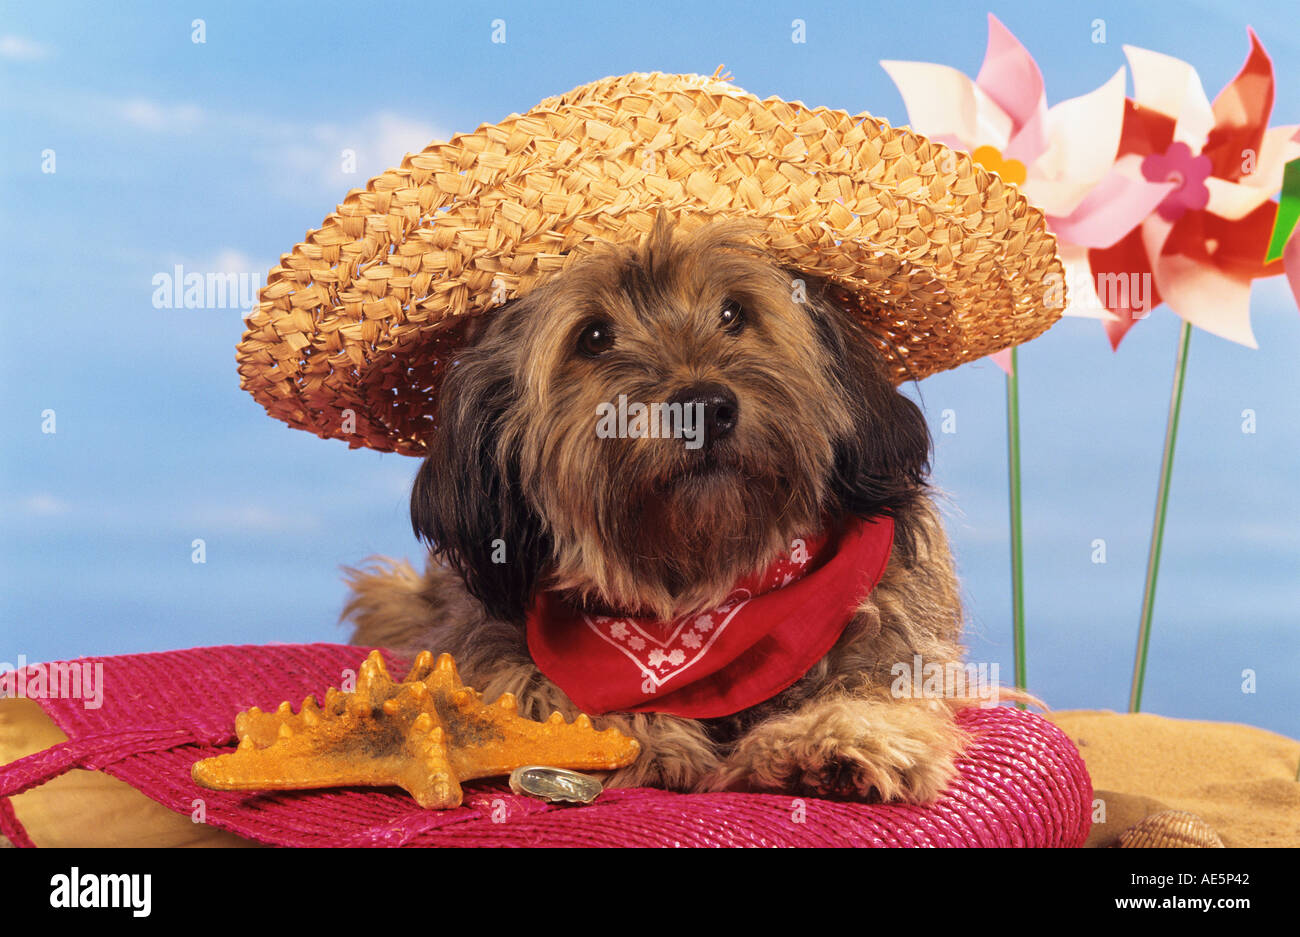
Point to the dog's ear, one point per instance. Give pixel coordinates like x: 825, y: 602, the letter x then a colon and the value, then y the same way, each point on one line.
x: 467, y: 503
x: 882, y: 463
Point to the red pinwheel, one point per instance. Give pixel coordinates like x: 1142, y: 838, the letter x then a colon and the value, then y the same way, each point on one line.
x: 1205, y: 243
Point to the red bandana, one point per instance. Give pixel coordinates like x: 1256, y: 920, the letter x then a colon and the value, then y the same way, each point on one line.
x: 767, y: 634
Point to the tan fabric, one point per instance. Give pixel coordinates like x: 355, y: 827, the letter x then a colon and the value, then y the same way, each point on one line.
x: 941, y: 260
x: 1239, y: 779
x: 90, y: 808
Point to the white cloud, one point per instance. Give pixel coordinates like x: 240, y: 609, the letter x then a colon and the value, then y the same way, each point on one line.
x: 225, y: 259
x: 332, y: 158
x: 228, y: 518
x: 391, y: 136
x: 19, y: 49
x: 315, y: 162
x: 205, y: 518
x: 230, y: 260
x: 43, y: 504
x: 157, y: 117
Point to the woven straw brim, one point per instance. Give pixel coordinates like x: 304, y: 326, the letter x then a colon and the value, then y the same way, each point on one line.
x: 941, y: 260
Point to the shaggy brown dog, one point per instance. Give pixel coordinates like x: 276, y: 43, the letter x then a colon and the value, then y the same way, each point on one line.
x: 805, y: 426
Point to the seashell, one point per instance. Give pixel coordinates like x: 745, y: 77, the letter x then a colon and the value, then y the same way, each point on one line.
x: 555, y: 784
x: 1170, y: 829
x: 426, y: 734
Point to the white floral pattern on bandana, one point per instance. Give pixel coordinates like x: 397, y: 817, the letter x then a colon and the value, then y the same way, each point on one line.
x: 659, y: 659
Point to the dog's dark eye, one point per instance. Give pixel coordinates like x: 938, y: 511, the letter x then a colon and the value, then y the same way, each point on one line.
x: 732, y: 315
x: 595, y: 339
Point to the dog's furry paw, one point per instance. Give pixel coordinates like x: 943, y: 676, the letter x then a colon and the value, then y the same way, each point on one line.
x: 851, y: 748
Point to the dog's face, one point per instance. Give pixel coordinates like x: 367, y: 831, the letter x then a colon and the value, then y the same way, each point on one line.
x: 778, y: 416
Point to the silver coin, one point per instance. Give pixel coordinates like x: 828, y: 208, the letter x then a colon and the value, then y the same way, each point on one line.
x: 555, y: 784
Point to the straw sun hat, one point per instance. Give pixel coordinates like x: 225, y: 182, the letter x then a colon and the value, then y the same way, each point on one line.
x: 942, y: 261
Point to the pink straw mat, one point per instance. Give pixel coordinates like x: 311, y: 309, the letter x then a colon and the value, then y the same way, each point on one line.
x: 1021, y: 783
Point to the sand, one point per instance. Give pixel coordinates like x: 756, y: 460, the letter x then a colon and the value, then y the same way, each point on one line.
x: 1240, y: 779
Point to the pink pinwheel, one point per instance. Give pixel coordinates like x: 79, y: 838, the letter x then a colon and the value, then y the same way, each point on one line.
x: 1186, y: 171
x: 1283, y: 243
x: 1062, y: 157
x: 1291, y: 260
x: 1205, y: 242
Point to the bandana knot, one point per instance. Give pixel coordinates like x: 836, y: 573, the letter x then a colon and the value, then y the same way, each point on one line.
x: 768, y: 632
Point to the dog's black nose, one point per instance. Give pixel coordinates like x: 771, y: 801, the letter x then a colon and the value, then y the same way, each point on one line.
x: 716, y: 404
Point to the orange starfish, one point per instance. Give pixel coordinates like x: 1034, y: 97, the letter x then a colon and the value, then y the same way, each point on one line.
x: 425, y: 735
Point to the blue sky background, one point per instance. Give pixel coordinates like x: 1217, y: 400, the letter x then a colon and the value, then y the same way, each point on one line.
x: 219, y: 156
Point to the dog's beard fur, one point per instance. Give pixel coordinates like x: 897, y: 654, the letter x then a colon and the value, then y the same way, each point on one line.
x: 648, y: 525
